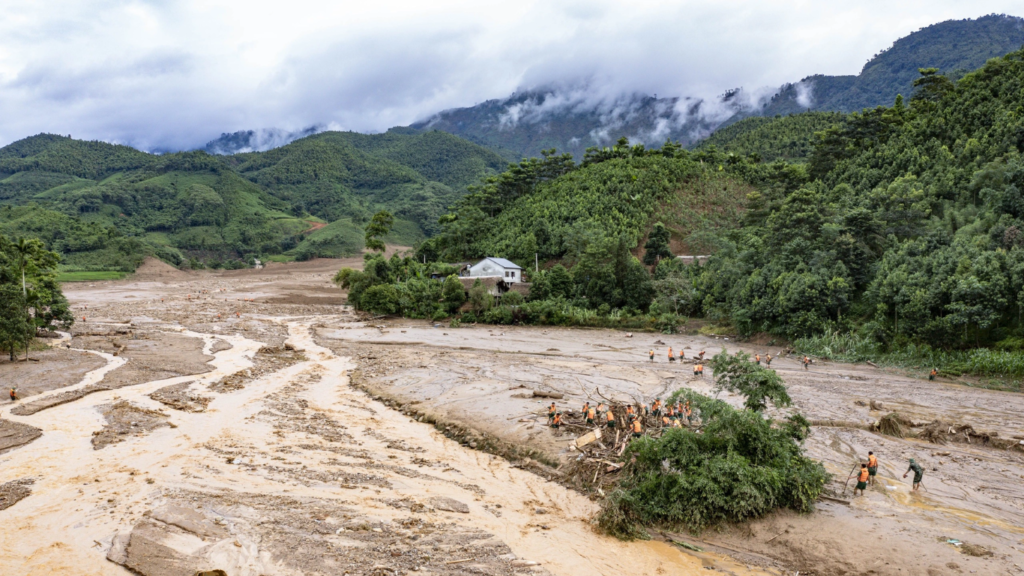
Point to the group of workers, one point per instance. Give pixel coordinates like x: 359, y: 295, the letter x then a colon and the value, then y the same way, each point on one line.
x: 670, y: 416
x: 869, y: 469
x: 698, y: 360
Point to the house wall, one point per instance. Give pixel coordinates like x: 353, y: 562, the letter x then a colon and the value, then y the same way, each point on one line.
x: 488, y: 269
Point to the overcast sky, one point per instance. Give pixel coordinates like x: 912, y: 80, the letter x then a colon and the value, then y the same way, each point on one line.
x: 174, y: 75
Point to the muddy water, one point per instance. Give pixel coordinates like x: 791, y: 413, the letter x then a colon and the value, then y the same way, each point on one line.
x: 82, y: 497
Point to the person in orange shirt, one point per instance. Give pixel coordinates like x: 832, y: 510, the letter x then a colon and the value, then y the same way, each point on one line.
x: 862, y: 480
x: 872, y: 467
x: 652, y: 355
x: 591, y: 414
x: 611, y: 418
x: 557, y: 422
x: 638, y: 430
x: 671, y: 357
x: 757, y: 358
x: 551, y: 413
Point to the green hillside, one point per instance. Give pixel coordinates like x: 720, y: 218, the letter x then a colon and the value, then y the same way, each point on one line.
x: 955, y: 47
x: 105, y: 206
x: 787, y: 138
x: 902, y: 234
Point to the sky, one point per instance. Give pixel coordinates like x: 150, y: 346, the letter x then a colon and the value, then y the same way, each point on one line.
x: 173, y: 75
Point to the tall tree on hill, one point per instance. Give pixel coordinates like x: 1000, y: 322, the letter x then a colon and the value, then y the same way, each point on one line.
x: 13, y: 321
x: 656, y: 247
x: 377, y: 229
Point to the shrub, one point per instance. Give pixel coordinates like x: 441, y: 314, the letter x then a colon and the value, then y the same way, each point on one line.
x: 380, y: 299
x: 739, y: 468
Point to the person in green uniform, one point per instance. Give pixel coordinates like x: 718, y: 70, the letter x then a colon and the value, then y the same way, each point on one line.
x: 918, y: 473
x: 862, y: 480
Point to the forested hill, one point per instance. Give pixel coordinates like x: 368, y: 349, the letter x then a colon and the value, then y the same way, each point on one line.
x: 955, y: 47
x: 105, y: 206
x: 571, y: 120
x: 789, y: 137
x: 905, y: 225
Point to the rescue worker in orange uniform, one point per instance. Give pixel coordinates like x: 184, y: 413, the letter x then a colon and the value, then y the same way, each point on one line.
x: 807, y: 363
x: 557, y: 422
x: 872, y: 467
x: 768, y: 359
x: 757, y: 358
x: 591, y: 414
x: 933, y: 374
x: 638, y: 430
x: 656, y: 407
x: 862, y: 480
x: 551, y: 413
x: 671, y: 357
x: 652, y: 355
x: 611, y: 419
x: 14, y: 394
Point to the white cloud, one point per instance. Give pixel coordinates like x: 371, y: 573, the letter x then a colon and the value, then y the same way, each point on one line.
x: 174, y: 75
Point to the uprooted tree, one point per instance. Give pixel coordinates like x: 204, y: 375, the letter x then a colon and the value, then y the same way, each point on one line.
x: 738, y: 466
x: 736, y: 373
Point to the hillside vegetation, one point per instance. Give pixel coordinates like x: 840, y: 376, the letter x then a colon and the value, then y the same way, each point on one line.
x: 955, y: 47
x: 105, y: 207
x: 789, y: 138
x: 902, y: 233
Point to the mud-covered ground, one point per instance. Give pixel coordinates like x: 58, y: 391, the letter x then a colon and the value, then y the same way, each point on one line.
x: 239, y: 429
x: 219, y: 435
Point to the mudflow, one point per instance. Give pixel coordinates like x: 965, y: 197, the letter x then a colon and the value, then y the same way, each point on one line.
x: 248, y: 422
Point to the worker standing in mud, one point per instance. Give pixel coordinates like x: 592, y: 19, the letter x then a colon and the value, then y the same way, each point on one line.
x: 933, y: 373
x: 918, y: 473
x: 556, y: 423
x: 757, y: 358
x: 551, y: 413
x: 671, y: 357
x: 652, y: 355
x: 807, y: 363
x: 872, y: 467
x: 591, y: 414
x: 768, y: 359
x: 14, y: 394
x: 862, y: 480
x: 611, y: 419
x: 656, y: 407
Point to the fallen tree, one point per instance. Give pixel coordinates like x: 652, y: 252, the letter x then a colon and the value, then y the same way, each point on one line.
x: 737, y: 465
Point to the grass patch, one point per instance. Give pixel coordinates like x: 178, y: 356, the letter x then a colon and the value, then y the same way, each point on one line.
x: 1002, y: 369
x: 90, y: 276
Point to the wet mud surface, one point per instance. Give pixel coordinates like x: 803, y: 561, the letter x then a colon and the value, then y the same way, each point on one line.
x: 306, y: 441
x: 287, y: 469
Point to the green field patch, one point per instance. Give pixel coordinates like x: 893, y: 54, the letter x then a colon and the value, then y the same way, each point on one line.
x: 90, y: 276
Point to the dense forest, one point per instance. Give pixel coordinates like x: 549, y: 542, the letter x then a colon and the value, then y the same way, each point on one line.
x: 30, y: 297
x: 955, y: 47
x: 789, y: 137
x: 904, y: 227
x: 106, y: 207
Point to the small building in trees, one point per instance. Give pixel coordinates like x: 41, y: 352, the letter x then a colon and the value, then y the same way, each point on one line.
x: 498, y: 275
x: 501, y: 268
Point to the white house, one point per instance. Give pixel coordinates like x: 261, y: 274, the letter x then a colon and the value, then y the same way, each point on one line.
x: 495, y: 268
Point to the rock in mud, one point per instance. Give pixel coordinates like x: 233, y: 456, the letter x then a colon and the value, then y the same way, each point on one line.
x: 14, y: 491
x: 180, y: 397
x: 449, y: 505
x: 14, y: 434
x: 126, y: 419
x: 174, y: 540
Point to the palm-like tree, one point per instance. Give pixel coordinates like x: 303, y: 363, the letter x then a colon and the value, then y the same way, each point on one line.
x: 27, y: 251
